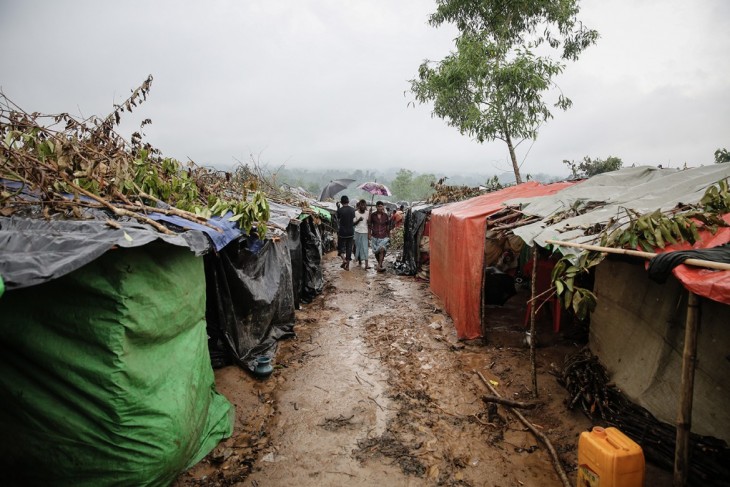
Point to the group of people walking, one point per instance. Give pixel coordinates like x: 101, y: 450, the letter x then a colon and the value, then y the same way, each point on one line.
x: 362, y: 229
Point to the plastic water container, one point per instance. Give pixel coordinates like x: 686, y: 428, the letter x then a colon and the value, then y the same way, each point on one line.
x: 609, y: 458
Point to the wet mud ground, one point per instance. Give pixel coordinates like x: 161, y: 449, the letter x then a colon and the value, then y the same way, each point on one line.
x: 377, y: 390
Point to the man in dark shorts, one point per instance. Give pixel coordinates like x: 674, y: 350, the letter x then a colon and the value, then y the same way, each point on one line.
x: 379, y: 229
x: 345, y: 231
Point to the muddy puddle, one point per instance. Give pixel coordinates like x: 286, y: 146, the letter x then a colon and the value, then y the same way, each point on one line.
x: 377, y: 390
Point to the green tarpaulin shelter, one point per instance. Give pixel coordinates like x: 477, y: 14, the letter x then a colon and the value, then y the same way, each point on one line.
x: 105, y: 374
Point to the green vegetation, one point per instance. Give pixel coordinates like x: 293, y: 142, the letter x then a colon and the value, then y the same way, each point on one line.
x: 722, y: 155
x: 408, y: 187
x: 589, y: 167
x: 86, y: 164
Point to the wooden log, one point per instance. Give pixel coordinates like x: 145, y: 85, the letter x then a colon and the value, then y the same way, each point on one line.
x: 553, y: 454
x: 509, y: 402
x: 684, y: 411
x: 638, y: 253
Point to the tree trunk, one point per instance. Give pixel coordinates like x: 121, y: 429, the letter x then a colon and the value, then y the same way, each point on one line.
x: 513, y: 156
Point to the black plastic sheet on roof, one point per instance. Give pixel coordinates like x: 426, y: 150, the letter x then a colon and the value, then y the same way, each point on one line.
x: 34, y: 251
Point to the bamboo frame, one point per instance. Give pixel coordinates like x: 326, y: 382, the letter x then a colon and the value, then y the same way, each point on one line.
x: 708, y: 264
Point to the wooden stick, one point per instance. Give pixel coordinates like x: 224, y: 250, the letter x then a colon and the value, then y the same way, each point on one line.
x: 121, y: 212
x: 509, y: 402
x: 553, y: 454
x: 684, y: 411
x: 171, y: 211
x: 174, y: 211
x: 637, y: 253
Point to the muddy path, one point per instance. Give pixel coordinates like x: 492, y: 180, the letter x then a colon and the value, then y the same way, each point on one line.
x: 376, y: 390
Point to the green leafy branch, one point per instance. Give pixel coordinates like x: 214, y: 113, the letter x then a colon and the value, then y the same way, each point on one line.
x: 581, y: 300
x: 656, y: 229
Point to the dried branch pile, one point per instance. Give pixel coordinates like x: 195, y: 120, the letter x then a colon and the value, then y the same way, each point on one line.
x: 55, y: 166
x: 589, y: 387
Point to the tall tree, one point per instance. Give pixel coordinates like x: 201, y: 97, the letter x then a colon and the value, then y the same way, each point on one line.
x: 402, y: 184
x: 494, y: 85
x: 422, y: 188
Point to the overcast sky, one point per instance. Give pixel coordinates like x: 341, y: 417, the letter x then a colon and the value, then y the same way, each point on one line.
x: 324, y: 83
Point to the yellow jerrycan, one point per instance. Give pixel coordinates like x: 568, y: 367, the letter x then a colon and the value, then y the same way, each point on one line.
x: 609, y: 458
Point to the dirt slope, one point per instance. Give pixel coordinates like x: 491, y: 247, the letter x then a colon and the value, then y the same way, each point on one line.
x: 376, y: 390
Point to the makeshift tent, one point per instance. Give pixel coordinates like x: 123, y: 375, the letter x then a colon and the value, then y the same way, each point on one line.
x: 638, y: 328
x: 457, y: 251
x: 104, y: 369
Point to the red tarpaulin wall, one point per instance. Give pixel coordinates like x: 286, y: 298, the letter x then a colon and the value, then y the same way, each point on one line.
x: 457, y: 251
x: 708, y: 283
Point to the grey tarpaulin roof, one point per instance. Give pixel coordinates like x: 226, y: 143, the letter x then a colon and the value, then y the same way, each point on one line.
x: 643, y: 189
x: 281, y: 215
x: 33, y: 251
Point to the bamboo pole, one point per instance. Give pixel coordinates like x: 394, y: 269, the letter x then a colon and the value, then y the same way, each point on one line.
x: 509, y: 226
x: 684, y: 410
x: 533, y: 314
x: 637, y: 253
x: 482, y: 304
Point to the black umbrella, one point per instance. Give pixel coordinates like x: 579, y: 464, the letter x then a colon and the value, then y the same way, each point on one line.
x: 334, y: 187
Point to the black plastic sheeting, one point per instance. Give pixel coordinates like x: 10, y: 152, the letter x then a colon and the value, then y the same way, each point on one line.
x: 312, y: 250
x: 660, y: 267
x: 33, y: 251
x: 250, y: 300
x: 413, y: 225
x: 297, y: 259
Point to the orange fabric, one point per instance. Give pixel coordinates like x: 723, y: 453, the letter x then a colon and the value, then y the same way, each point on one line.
x: 709, y: 283
x: 457, y: 251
